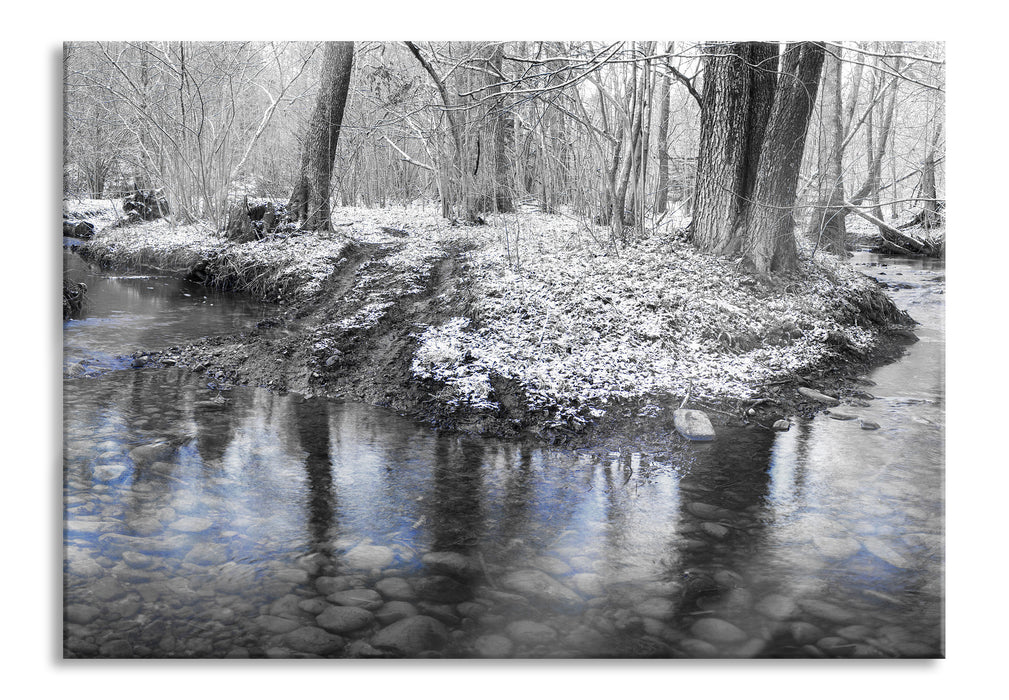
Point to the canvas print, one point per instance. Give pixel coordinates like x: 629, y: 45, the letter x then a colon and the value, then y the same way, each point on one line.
x: 506, y: 350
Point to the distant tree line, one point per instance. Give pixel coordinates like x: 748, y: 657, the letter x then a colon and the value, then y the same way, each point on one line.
x: 752, y: 141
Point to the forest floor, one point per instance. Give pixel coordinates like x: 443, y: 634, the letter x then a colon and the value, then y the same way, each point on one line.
x: 529, y: 325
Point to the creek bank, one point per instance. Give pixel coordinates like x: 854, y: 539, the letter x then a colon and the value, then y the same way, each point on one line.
x: 572, y: 344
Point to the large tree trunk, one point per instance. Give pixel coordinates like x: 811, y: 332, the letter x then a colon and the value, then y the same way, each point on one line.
x: 770, y: 224
x: 310, y: 199
x: 739, y: 88
x: 827, y: 223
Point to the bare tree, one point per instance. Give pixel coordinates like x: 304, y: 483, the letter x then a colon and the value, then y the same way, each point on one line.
x: 310, y: 201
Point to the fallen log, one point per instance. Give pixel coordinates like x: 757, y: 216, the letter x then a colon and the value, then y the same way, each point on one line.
x: 900, y: 241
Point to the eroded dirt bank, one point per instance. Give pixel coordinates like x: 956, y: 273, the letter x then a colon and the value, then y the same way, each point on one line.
x: 441, y: 326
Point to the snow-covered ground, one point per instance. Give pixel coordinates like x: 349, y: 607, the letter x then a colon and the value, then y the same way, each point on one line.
x: 554, y: 308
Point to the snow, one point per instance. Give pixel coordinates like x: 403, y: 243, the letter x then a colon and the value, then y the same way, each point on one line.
x: 554, y: 308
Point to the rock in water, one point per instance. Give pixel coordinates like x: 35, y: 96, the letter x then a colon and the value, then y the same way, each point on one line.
x: 412, y: 635
x: 693, y: 425
x: 781, y: 425
x: 817, y: 396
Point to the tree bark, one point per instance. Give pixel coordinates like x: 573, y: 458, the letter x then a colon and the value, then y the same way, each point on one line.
x: 739, y: 89
x: 310, y: 201
x: 827, y: 223
x: 662, y: 188
x: 770, y: 224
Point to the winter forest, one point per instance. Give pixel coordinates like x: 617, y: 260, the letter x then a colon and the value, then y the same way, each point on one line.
x: 746, y: 139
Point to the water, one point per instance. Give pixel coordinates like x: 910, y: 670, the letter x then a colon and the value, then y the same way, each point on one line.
x: 207, y: 523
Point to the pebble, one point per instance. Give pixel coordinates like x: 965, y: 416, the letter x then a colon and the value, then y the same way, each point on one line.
x: 393, y: 611
x: 192, y: 524
x: 777, y: 607
x: 539, y: 587
x: 367, y: 557
x: 395, y: 588
x: 313, y: 640
x: 412, y: 636
x: 358, y: 597
x: 80, y: 614
x: 342, y: 619
x: 717, y: 631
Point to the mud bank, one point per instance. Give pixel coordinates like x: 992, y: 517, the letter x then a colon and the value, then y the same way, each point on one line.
x: 572, y: 344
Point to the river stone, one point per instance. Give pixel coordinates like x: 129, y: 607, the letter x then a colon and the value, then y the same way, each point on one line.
x: 836, y: 646
x: 882, y: 550
x: 412, y: 636
x: 693, y: 425
x: 84, y: 567
x: 313, y: 606
x: 776, y: 607
x: 493, y: 646
x: 107, y: 589
x: 817, y: 396
x: 837, y: 415
x: 551, y: 565
x: 540, y: 588
x: 589, y: 584
x: 716, y: 530
x: 531, y: 632
x: 367, y: 556
x: 826, y: 611
x: 339, y: 619
x: 207, y: 554
x: 326, y: 585
x: 698, y: 649
x: 192, y: 524
x: 288, y: 606
x: 136, y: 560
x: 869, y: 425
x: 837, y: 547
x: 80, y: 614
x: 657, y: 608
x: 781, y: 425
x: 442, y: 589
x: 276, y: 625
x: 234, y: 578
x: 717, y: 631
x: 312, y: 640
x: 394, y: 611
x: 395, y: 588
x: 109, y: 472
x: 357, y: 597
x: 452, y: 564
x: 154, y: 452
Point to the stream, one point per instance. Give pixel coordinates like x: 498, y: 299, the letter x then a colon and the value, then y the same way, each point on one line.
x: 202, y: 521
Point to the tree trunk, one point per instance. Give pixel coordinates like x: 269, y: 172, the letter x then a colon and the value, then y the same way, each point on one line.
x: 770, y: 224
x: 310, y: 199
x: 662, y: 188
x: 739, y: 89
x: 827, y: 224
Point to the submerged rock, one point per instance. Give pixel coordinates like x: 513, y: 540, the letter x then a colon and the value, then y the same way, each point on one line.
x: 541, y: 588
x: 412, y: 636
